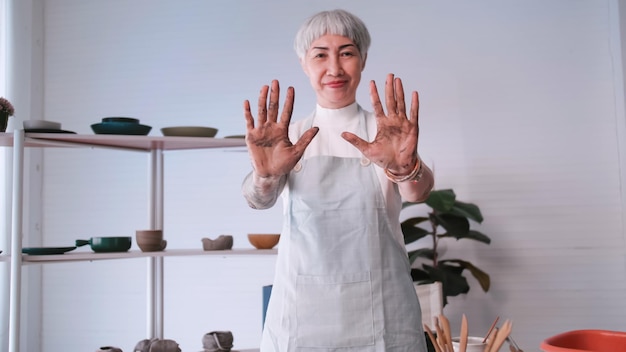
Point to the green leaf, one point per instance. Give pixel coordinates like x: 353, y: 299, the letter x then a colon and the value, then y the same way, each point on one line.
x: 415, y: 220
x: 420, y: 276
x: 441, y: 200
x: 471, y: 235
x: 477, y: 236
x: 468, y: 210
x: 412, y: 233
x: 427, y: 253
x: 482, y: 277
x: 456, y: 226
x: 452, y: 282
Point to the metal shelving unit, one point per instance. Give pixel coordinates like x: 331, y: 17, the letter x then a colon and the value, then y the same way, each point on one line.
x: 154, y: 147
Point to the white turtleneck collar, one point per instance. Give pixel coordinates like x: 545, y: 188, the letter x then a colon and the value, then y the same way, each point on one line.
x: 331, y: 123
x: 346, y: 112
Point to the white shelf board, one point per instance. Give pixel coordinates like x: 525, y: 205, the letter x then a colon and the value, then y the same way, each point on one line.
x: 91, y: 256
x: 139, y: 143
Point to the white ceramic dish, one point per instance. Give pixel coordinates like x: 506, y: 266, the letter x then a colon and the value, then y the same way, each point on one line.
x: 41, y: 125
x: 189, y: 131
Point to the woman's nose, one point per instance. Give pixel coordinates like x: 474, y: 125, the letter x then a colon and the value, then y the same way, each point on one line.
x: 334, y: 67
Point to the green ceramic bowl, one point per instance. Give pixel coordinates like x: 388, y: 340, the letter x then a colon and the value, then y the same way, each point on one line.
x: 107, y: 244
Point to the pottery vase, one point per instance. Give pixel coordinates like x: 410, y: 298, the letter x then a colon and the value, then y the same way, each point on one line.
x: 4, y: 120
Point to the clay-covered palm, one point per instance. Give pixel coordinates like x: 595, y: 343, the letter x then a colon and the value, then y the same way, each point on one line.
x: 395, y: 145
x: 270, y: 149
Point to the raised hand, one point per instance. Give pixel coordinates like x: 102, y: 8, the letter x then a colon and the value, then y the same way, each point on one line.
x: 395, y: 145
x: 270, y: 149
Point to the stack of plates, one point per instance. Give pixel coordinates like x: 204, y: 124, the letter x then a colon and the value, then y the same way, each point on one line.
x: 43, y: 126
x: 121, y: 125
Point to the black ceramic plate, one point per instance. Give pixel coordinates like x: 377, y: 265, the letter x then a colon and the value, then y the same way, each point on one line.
x: 46, y: 250
x: 114, y: 127
x: 46, y: 130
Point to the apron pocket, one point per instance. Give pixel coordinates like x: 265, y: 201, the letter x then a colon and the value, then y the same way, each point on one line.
x: 342, y: 315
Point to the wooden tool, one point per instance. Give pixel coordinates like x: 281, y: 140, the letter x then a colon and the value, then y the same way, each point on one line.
x: 447, y: 333
x: 501, y: 336
x: 463, y: 338
x: 512, y: 345
x: 490, y: 338
x: 432, y: 338
x: 491, y: 329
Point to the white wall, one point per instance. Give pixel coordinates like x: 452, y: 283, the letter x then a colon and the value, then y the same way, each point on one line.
x: 522, y: 113
x: 22, y: 77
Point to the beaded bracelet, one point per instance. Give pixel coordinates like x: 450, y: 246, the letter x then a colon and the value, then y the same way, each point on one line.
x: 414, y: 175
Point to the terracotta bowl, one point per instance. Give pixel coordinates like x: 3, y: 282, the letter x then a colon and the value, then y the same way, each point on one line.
x: 152, y: 247
x: 263, y: 240
x: 150, y: 240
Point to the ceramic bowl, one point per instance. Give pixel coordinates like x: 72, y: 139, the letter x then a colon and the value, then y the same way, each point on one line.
x: 107, y: 244
x: 148, y: 247
x: 150, y: 240
x: 263, y: 240
x: 126, y: 128
x: 120, y: 119
x: 220, y: 243
x: 41, y: 125
x: 189, y: 131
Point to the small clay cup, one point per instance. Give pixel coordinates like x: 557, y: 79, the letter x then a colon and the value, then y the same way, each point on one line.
x: 150, y: 240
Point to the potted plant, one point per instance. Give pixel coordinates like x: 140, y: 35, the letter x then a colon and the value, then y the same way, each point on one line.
x: 6, y: 110
x: 449, y: 219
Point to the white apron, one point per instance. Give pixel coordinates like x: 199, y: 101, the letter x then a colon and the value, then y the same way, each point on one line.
x: 342, y: 282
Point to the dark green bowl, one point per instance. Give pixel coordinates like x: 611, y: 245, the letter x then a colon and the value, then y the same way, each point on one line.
x: 127, y: 128
x: 107, y: 244
x: 120, y: 119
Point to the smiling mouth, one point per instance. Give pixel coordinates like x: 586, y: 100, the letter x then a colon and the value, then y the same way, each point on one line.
x: 336, y: 84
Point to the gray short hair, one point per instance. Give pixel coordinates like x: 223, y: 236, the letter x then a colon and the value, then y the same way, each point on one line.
x: 335, y: 22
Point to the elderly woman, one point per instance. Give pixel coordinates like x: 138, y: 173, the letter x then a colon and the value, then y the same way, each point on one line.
x: 342, y: 277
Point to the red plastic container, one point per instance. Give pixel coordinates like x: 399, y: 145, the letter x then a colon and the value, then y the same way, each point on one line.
x: 586, y: 341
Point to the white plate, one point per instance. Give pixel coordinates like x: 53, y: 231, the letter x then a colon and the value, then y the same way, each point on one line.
x: 41, y: 124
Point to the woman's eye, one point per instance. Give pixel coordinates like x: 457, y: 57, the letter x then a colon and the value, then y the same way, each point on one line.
x: 347, y: 53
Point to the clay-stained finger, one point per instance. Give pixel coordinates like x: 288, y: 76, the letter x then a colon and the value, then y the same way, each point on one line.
x: 272, y: 109
x: 390, y: 96
x: 415, y: 107
x: 304, y: 140
x: 377, y: 106
x: 399, y: 92
x: 285, y: 117
x: 262, y: 105
x: 358, y: 142
x: 248, y: 115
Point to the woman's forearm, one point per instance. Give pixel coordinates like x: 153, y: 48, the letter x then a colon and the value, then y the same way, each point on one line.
x: 262, y: 192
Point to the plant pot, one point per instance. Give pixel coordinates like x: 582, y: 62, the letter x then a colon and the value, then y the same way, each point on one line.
x: 4, y: 121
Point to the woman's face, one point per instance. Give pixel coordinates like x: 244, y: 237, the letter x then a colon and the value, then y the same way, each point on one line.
x: 334, y: 65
